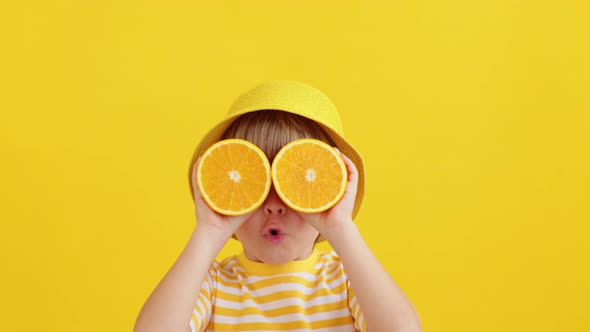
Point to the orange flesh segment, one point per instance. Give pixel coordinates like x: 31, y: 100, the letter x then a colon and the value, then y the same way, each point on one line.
x: 309, y: 176
x: 234, y: 177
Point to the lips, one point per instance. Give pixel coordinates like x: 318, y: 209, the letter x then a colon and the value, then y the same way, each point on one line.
x: 273, y: 228
x: 274, y: 233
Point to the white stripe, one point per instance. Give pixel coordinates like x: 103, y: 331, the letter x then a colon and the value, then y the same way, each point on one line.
x: 207, y: 284
x: 251, y: 279
x: 282, y: 302
x: 192, y: 326
x: 233, y: 269
x: 228, y: 265
x: 328, y: 261
x: 202, y: 308
x: 352, y: 305
x: 282, y: 319
x: 197, y: 318
x: 227, y: 280
x: 360, y: 321
x: 304, y: 275
x: 333, y: 273
x: 343, y: 328
x: 282, y: 287
x: 233, y: 265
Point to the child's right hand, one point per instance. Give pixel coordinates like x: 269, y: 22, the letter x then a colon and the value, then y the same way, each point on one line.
x: 211, y: 221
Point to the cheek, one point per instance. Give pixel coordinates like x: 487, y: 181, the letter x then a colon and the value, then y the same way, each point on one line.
x: 308, y: 230
x: 250, y: 226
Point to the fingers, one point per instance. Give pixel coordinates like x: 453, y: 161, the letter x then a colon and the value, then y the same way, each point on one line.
x: 350, y: 167
x: 237, y: 221
x: 196, y: 191
x: 348, y: 199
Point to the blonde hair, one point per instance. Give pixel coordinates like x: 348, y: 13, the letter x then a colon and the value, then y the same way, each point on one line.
x: 270, y: 130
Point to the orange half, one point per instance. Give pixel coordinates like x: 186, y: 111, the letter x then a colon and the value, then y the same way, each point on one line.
x: 309, y: 175
x: 233, y: 176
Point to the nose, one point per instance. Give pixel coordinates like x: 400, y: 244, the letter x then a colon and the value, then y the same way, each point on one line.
x: 273, y: 205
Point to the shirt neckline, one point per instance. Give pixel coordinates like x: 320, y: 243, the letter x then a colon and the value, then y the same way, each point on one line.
x: 260, y: 268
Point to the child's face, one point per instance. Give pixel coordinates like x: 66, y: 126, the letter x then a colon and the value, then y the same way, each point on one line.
x: 276, y: 234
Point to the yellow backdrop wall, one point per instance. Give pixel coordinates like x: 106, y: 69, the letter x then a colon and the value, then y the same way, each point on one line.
x: 472, y: 116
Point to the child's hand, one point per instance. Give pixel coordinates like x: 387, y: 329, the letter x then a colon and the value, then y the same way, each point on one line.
x: 211, y: 221
x: 341, y: 212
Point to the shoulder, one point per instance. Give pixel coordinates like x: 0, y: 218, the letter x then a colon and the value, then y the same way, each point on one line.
x: 330, y: 261
x: 330, y: 257
x: 228, y: 267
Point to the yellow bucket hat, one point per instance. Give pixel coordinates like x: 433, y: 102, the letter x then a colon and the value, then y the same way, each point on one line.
x: 294, y: 97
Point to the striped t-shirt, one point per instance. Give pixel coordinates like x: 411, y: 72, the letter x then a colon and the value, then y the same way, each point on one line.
x: 310, y: 294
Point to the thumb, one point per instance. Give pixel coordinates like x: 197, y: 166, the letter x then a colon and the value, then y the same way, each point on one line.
x: 196, y: 191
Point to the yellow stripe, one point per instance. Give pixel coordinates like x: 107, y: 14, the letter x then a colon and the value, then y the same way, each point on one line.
x: 282, y: 280
x: 233, y: 268
x: 281, y: 295
x: 235, y: 285
x: 355, y: 308
x: 204, y: 292
x: 364, y: 324
x: 329, y: 258
x: 293, y: 309
x: 231, y: 274
x: 283, y: 326
x: 199, y: 309
x: 334, y: 267
x: 234, y: 271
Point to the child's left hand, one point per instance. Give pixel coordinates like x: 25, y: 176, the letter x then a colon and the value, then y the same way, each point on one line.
x: 341, y: 213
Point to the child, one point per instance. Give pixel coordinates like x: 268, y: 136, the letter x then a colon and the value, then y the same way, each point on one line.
x: 286, y: 284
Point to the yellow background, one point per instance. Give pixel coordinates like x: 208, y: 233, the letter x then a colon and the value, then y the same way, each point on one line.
x: 472, y: 117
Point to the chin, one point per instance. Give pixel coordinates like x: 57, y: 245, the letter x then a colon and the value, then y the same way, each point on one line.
x: 277, y: 258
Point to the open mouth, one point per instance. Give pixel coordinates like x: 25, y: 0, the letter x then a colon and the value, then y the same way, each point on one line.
x: 274, y: 235
x: 274, y: 232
